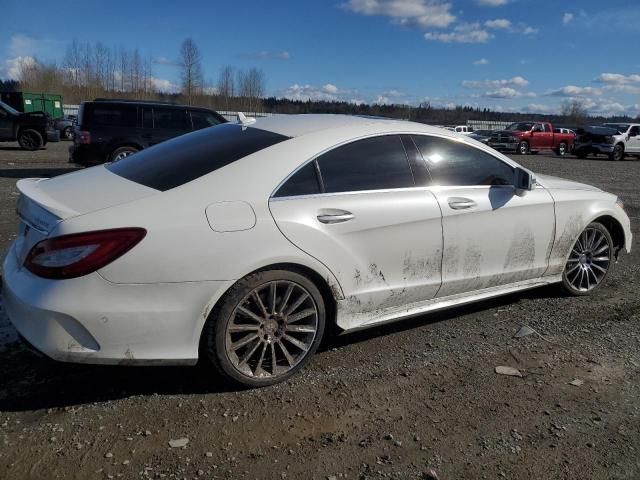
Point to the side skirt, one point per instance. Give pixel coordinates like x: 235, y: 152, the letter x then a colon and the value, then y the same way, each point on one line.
x: 350, y: 322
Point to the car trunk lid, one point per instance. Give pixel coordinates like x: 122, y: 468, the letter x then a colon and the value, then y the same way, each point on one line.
x: 45, y: 202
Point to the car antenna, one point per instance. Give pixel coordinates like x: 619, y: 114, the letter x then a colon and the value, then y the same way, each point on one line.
x: 245, y: 121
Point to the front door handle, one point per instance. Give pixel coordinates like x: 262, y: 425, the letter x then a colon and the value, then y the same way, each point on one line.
x: 457, y: 203
x: 330, y: 216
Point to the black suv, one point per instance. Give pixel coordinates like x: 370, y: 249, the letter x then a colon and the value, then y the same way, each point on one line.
x: 31, y: 130
x: 109, y: 130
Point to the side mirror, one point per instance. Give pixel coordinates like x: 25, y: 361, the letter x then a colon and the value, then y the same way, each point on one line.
x: 524, y: 181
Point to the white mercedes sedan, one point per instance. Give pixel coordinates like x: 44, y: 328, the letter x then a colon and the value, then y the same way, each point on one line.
x: 241, y: 244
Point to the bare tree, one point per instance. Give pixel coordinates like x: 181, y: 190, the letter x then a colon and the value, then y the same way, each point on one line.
x: 191, y: 64
x: 575, y: 111
x: 251, y: 86
x: 226, y: 85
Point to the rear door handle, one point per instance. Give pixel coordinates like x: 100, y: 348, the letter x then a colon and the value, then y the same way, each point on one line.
x: 457, y: 203
x: 330, y: 216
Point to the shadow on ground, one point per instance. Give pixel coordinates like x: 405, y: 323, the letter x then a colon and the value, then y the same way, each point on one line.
x: 31, y: 382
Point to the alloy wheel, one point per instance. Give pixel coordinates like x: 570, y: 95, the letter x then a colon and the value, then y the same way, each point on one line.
x: 122, y: 155
x: 589, y: 260
x: 272, y: 329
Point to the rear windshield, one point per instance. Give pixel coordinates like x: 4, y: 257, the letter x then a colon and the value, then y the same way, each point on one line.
x: 185, y: 158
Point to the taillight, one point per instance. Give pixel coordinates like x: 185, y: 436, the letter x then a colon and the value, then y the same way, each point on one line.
x: 83, y: 137
x: 79, y: 254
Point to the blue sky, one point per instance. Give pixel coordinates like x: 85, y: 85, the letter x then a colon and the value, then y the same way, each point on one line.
x: 524, y: 55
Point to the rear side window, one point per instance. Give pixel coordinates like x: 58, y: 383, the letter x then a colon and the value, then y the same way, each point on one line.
x: 370, y: 164
x: 185, y: 158
x: 303, y: 182
x: 452, y: 163
x: 171, y: 119
x: 98, y: 115
x: 202, y: 119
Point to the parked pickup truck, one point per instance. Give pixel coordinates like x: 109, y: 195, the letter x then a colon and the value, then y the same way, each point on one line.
x: 612, y: 139
x: 32, y: 130
x: 531, y: 137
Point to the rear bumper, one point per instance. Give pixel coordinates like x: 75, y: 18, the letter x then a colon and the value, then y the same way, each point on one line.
x: 86, y: 154
x: 91, y: 320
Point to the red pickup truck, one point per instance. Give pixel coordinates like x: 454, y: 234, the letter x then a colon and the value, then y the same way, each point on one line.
x: 531, y: 137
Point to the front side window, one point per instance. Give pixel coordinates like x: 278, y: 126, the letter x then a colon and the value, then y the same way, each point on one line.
x: 185, y: 158
x: 635, y: 131
x: 370, y: 164
x: 453, y: 163
x: 171, y: 119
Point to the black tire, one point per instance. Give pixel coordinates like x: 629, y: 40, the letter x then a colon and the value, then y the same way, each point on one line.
x: 523, y: 147
x: 30, y: 139
x: 67, y: 132
x: 563, y: 149
x: 122, y: 152
x: 618, y: 153
x: 213, y: 347
x: 567, y: 285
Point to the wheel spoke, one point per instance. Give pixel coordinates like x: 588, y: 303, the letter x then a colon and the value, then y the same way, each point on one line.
x: 274, y: 361
x: 300, y: 328
x: 245, y: 358
x: 285, y: 299
x: 261, y: 358
x: 261, y: 306
x: 598, y: 267
x: 272, y: 296
x: 250, y: 314
x: 573, y: 269
x: 600, y: 259
x: 295, y: 342
x: 300, y: 315
x: 297, y: 303
x: 244, y: 341
x: 287, y: 355
x: 601, y: 249
x: 243, y: 328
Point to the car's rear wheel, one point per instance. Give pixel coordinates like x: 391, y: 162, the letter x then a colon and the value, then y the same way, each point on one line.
x: 523, y: 148
x: 589, y: 262
x: 562, y: 149
x: 30, y: 139
x: 122, y: 152
x: 68, y: 133
x: 266, y: 328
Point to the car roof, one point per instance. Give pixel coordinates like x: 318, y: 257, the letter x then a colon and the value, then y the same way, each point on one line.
x: 305, y: 124
x: 108, y: 101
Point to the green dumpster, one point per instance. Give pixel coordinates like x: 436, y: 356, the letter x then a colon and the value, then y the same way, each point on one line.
x: 50, y: 103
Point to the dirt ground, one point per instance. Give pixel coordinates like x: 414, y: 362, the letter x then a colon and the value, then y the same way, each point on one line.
x: 414, y: 400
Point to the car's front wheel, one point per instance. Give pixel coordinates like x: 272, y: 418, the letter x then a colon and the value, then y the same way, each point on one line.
x: 618, y: 153
x: 122, y: 152
x: 563, y: 149
x: 30, y: 139
x: 523, y: 148
x: 589, y: 262
x: 67, y: 133
x: 266, y: 328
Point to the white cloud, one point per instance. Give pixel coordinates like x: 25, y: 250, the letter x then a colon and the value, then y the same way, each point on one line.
x: 504, y: 92
x: 574, y: 91
x: 21, y: 45
x: 14, y: 66
x: 422, y: 13
x: 382, y: 100
x: 498, y: 23
x: 481, y: 61
x: 515, y: 82
x: 266, y: 55
x: 526, y: 30
x: 540, y: 108
x: 165, y: 61
x: 463, y: 33
x: 492, y: 3
x: 328, y: 92
x: 164, y: 85
x: 567, y: 18
x: 618, y: 79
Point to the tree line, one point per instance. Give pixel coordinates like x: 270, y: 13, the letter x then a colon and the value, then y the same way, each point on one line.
x: 88, y: 71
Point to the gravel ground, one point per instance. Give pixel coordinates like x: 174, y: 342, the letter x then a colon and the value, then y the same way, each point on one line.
x: 415, y: 400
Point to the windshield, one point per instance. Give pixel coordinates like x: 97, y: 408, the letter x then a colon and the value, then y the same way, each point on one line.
x: 520, y: 127
x: 621, y: 127
x: 9, y: 109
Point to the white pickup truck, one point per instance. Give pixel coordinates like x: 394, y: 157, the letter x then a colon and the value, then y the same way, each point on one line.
x: 613, y: 139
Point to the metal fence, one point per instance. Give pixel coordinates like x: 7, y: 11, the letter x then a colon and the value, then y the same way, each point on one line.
x: 487, y: 124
